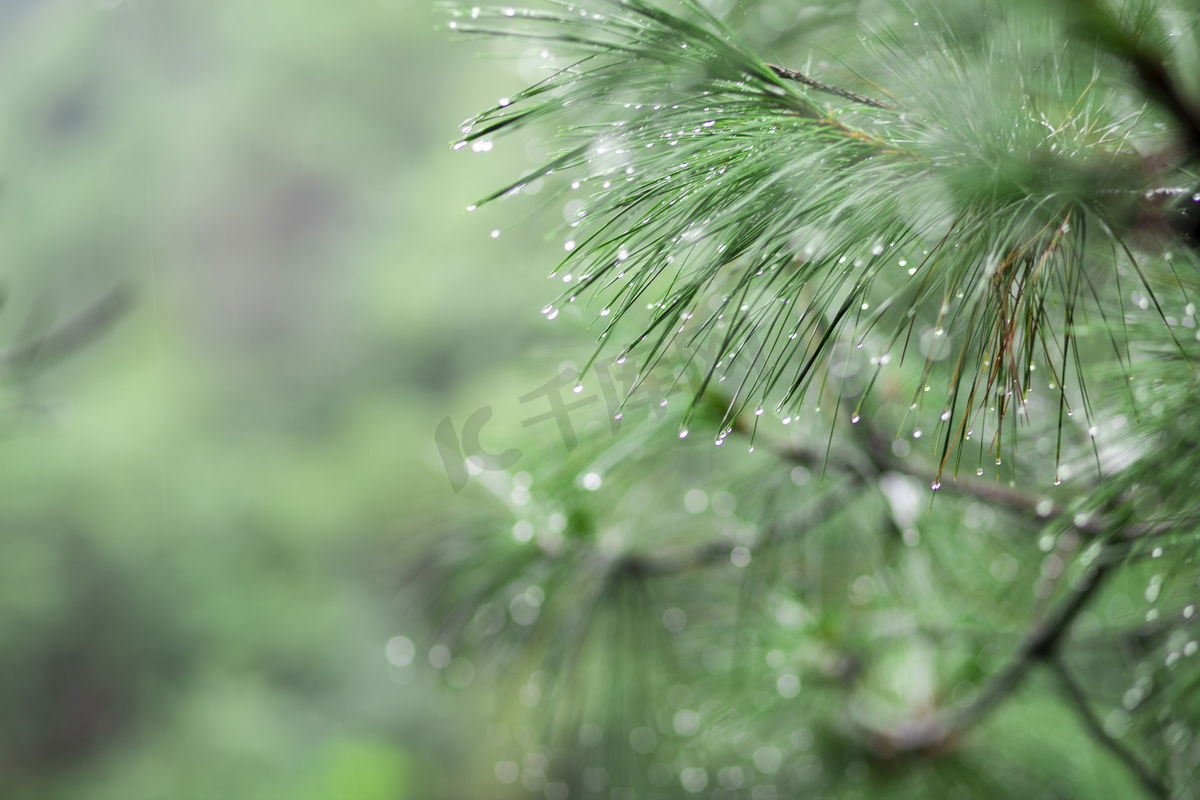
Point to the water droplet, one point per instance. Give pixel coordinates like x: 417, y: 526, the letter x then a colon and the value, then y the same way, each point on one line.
x: 1153, y: 590
x: 1056, y: 480
x: 683, y: 433
x: 471, y: 208
x: 618, y: 416
x: 1156, y: 552
x: 945, y: 415
x: 1093, y: 430
x: 578, y: 388
x: 758, y: 412
x: 935, y: 485
x: 496, y: 234
x: 917, y: 433
x: 569, y: 245
x: 979, y: 471
x: 854, y: 420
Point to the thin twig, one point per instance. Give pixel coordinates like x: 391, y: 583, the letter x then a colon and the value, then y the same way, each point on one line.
x: 670, y: 562
x: 1041, y: 644
x: 878, y: 460
x: 72, y: 334
x: 1150, y: 780
x: 938, y: 732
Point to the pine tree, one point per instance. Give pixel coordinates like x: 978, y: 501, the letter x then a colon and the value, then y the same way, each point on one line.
x: 925, y: 278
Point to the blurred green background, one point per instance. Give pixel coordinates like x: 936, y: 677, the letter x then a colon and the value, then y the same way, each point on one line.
x: 209, y: 511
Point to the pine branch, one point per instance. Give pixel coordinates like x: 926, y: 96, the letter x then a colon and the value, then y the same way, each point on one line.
x: 726, y: 210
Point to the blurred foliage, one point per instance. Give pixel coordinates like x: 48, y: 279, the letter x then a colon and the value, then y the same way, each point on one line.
x: 207, y: 504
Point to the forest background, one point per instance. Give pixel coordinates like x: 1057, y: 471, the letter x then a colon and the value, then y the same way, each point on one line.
x: 206, y: 510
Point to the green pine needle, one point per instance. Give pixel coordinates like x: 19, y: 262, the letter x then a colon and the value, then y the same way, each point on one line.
x: 763, y: 217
